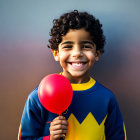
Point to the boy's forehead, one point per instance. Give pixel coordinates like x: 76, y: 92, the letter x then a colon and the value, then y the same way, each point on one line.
x: 77, y: 35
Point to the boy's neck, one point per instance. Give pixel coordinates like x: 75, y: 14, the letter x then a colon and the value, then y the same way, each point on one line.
x: 77, y: 80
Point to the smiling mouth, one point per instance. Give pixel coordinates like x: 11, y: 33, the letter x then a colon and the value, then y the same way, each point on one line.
x: 78, y: 65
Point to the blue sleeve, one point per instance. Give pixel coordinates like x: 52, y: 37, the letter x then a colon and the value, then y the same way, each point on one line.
x: 32, y: 124
x: 114, y: 126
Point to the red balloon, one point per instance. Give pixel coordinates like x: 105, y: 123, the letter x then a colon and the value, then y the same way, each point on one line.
x: 55, y: 93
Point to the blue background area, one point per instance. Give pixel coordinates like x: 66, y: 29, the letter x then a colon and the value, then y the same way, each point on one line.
x: 25, y: 59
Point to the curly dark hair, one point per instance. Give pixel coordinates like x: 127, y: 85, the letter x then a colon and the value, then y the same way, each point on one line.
x: 77, y: 20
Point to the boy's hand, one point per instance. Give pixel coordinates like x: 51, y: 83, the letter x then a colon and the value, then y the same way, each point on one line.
x: 58, y: 128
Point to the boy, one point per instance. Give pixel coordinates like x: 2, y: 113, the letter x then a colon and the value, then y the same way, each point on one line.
x: 77, y: 41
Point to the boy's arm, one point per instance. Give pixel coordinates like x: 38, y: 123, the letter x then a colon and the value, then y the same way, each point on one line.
x: 114, y: 126
x: 28, y: 138
x: 31, y: 127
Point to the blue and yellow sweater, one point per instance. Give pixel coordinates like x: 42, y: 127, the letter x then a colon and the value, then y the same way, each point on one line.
x: 93, y: 115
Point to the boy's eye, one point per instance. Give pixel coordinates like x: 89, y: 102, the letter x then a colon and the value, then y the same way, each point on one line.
x: 67, y: 47
x: 87, y: 46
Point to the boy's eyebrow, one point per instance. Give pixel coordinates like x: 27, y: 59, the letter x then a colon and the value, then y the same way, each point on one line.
x: 81, y: 42
x: 88, y: 42
x: 67, y: 42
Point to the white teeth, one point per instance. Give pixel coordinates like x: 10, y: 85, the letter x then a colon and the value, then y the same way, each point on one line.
x: 77, y: 64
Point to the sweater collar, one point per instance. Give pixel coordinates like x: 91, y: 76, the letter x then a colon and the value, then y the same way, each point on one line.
x: 83, y: 86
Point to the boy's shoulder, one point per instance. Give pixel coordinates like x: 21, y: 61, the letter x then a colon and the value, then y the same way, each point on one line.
x: 104, y: 91
x: 33, y: 97
x: 33, y: 94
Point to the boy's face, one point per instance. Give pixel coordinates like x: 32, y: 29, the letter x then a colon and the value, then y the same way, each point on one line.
x: 76, y: 54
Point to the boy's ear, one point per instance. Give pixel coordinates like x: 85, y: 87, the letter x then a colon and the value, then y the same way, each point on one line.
x: 98, y: 54
x: 55, y: 54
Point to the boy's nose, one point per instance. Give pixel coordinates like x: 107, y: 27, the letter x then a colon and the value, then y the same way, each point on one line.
x: 77, y: 52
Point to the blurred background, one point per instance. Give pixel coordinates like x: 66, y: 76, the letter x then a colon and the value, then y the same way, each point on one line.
x: 25, y: 58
